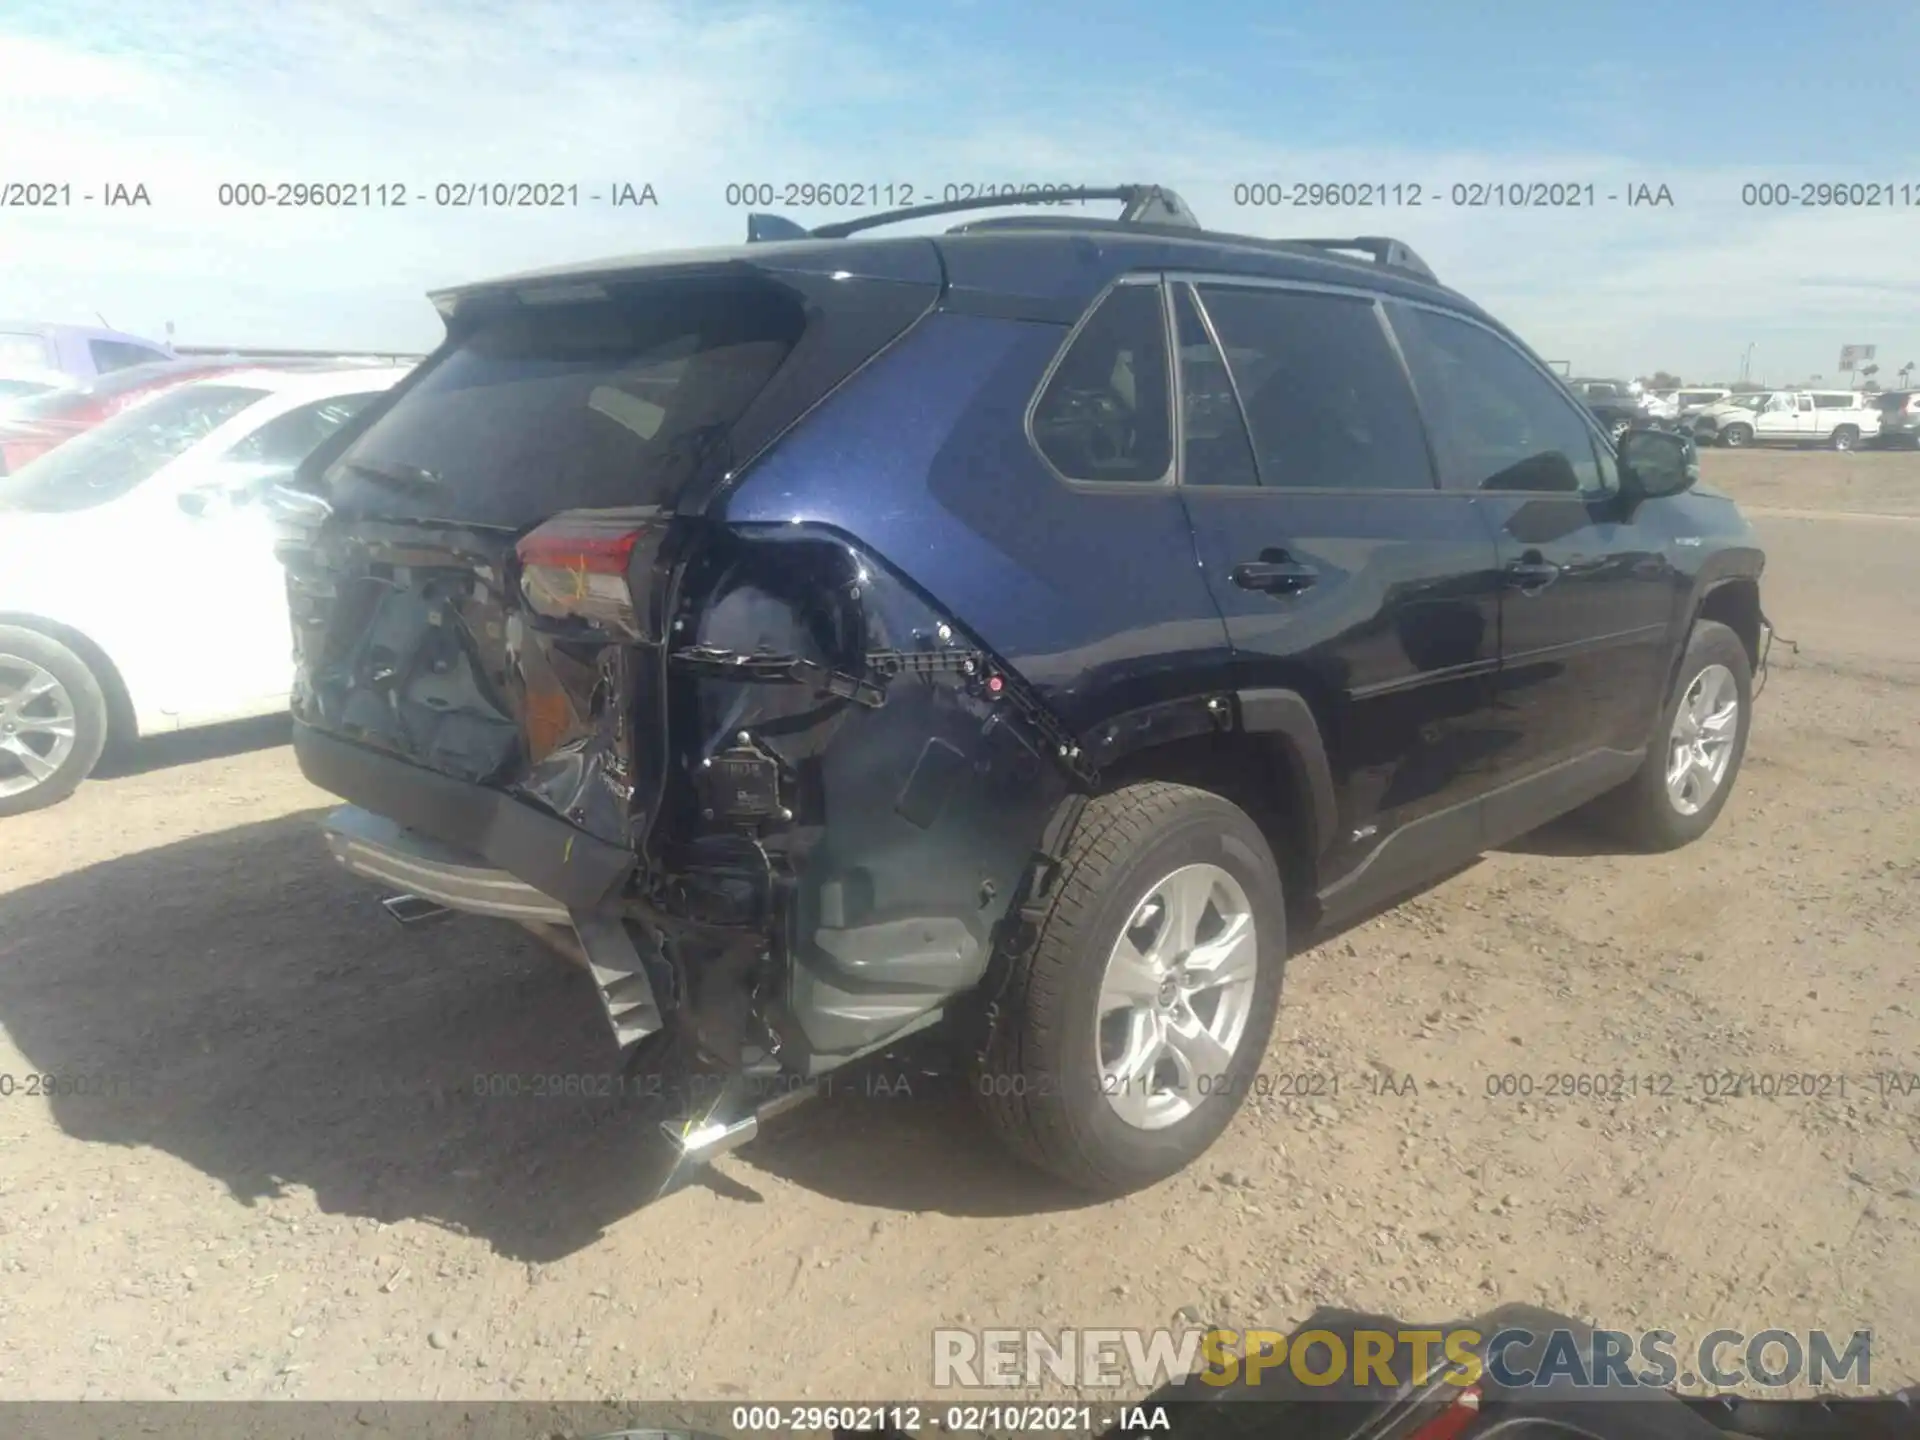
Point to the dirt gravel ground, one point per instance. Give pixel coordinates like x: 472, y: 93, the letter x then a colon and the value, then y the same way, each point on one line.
x: 285, y: 1185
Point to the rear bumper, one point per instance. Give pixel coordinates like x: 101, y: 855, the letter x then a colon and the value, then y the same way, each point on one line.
x: 376, y: 848
x: 479, y: 830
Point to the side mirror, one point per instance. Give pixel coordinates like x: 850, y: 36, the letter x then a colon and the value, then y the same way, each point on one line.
x: 229, y: 485
x: 204, y: 502
x: 1654, y: 463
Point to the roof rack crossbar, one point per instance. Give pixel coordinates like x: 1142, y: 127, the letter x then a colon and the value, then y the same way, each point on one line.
x: 1384, y: 249
x: 1143, y: 205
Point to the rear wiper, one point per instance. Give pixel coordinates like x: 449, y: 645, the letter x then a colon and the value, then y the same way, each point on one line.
x: 410, y: 476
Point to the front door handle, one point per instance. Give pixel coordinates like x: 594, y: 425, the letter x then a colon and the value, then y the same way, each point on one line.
x: 1275, y: 572
x: 1532, y: 574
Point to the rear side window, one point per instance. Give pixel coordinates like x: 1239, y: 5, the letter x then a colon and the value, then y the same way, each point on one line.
x: 1834, y: 402
x: 1214, y: 445
x: 1106, y: 413
x: 118, y: 354
x: 288, y: 439
x: 618, y: 401
x: 1497, y: 422
x: 1325, y: 398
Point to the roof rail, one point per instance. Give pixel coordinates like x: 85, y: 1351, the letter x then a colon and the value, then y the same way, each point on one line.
x: 1143, y: 205
x: 1384, y: 249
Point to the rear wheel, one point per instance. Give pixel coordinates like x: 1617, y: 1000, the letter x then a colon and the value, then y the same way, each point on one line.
x: 53, y: 721
x: 1690, y: 767
x: 1734, y: 436
x: 1844, y: 438
x: 1134, y: 1026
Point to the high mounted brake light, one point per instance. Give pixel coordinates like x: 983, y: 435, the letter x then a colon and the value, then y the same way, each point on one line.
x: 577, y: 566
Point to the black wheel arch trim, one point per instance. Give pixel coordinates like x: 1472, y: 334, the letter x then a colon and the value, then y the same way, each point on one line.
x: 1286, y: 715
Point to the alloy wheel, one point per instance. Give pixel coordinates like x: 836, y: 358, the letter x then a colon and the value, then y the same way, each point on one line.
x: 1175, y: 997
x: 1700, y: 745
x: 37, y: 725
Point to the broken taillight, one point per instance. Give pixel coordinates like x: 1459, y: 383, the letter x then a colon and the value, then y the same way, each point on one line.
x: 581, y: 565
x: 1454, y: 1420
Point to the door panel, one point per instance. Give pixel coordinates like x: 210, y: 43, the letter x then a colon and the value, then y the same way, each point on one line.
x: 1587, y: 596
x: 1340, y: 569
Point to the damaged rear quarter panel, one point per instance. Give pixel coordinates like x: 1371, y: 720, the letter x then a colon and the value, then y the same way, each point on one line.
x: 912, y: 819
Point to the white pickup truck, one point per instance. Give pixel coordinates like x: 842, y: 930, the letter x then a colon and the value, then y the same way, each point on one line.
x: 1837, y: 418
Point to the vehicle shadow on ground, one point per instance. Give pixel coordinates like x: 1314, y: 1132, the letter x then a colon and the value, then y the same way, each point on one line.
x: 237, y: 1001
x: 188, y: 747
x: 1574, y: 836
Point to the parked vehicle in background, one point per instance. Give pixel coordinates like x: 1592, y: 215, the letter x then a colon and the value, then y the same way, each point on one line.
x: 1617, y: 404
x: 1899, y: 418
x: 37, y: 424
x: 1704, y: 424
x: 138, y: 588
x: 806, y: 638
x: 1687, y: 403
x: 1838, y: 419
x: 79, y: 351
x: 18, y: 386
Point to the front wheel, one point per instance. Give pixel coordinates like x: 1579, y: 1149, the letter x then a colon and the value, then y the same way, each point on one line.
x: 1134, y: 1026
x: 53, y: 721
x: 1734, y: 436
x: 1690, y: 767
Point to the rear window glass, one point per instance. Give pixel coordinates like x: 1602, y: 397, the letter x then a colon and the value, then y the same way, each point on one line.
x: 613, y: 402
x: 1896, y: 399
x: 20, y: 350
x: 114, y: 457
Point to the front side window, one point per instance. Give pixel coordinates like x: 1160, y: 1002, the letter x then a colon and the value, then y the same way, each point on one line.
x: 1497, y: 422
x: 1107, y: 412
x: 1325, y: 398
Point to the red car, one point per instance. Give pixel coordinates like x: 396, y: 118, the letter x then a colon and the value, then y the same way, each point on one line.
x: 37, y: 424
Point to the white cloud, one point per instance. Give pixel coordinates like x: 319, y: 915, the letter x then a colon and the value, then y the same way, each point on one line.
x: 690, y: 98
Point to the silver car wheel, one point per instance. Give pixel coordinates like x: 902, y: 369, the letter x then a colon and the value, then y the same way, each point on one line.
x: 37, y: 725
x: 1700, y: 746
x: 1175, y: 997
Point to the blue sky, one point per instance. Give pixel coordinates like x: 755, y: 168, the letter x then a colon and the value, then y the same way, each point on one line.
x: 688, y: 97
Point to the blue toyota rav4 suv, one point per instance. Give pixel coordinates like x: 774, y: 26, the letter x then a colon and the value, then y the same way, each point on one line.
x: 1028, y: 628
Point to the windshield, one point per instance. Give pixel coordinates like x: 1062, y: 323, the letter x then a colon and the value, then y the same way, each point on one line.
x: 75, y: 401
x: 111, y: 459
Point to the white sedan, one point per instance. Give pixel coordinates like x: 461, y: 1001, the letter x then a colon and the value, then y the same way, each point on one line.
x: 139, y: 592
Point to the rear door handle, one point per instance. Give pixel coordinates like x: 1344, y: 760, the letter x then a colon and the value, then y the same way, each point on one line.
x: 1274, y: 572
x: 1533, y: 574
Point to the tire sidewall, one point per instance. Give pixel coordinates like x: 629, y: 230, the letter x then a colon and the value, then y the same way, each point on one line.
x: 1212, y: 832
x: 89, y: 710
x: 1710, y: 644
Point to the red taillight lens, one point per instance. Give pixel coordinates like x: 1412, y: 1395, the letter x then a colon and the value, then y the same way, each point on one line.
x: 576, y: 567
x: 1453, y: 1421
